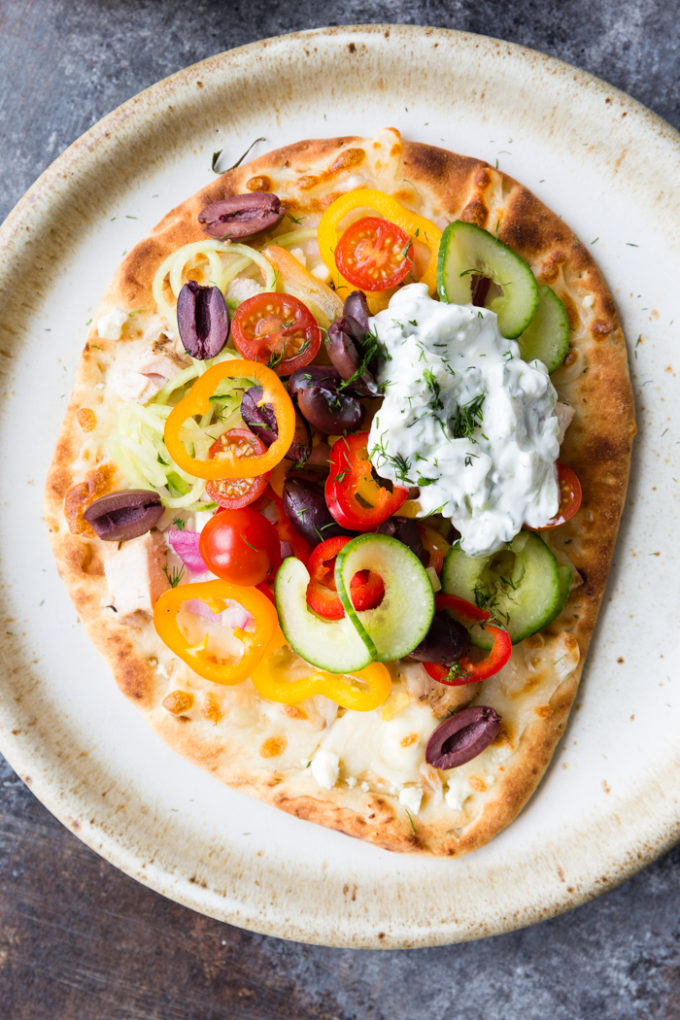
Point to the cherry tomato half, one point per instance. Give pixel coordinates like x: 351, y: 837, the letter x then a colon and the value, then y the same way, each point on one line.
x: 570, y: 496
x: 276, y: 330
x: 233, y: 493
x: 240, y: 546
x: 374, y: 254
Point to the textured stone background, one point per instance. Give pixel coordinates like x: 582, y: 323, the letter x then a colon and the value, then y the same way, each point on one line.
x: 77, y: 938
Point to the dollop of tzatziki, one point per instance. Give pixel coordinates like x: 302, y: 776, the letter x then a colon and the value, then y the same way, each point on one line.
x: 464, y: 418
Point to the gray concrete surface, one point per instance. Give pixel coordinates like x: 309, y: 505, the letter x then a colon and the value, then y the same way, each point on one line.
x: 63, y: 66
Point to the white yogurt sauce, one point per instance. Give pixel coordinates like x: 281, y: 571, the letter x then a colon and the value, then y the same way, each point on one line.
x: 465, y: 419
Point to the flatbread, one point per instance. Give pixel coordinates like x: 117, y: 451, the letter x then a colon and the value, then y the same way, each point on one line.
x: 264, y: 748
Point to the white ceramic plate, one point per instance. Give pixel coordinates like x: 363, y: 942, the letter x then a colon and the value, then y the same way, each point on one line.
x: 610, y: 801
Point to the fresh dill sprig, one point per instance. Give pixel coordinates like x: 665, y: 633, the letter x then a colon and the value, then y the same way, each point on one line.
x: 434, y: 388
x: 370, y: 348
x: 468, y: 417
x: 401, y: 464
x: 174, y: 575
x: 215, y: 164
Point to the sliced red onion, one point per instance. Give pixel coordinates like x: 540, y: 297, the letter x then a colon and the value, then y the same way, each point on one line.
x: 234, y: 616
x: 185, y: 544
x: 199, y: 608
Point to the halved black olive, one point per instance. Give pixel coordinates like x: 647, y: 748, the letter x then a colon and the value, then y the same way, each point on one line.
x: 462, y: 736
x: 345, y: 345
x: 261, y: 419
x: 241, y: 215
x: 202, y: 320
x: 119, y: 516
x: 306, y: 509
x: 446, y: 641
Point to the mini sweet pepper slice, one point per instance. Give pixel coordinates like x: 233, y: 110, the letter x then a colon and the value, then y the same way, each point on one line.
x: 297, y: 280
x: 468, y: 670
x: 197, y: 401
x: 361, y: 690
x: 419, y: 229
x: 355, y: 499
x: 215, y: 595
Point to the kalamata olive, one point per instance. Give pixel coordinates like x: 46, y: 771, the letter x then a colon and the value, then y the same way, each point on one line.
x: 462, y: 736
x: 241, y: 215
x: 446, y: 641
x: 329, y: 410
x: 122, y: 515
x: 356, y: 306
x: 406, y: 530
x: 480, y: 290
x: 306, y: 510
x: 325, y: 405
x: 202, y: 319
x: 313, y: 375
x: 345, y: 346
x: 261, y: 419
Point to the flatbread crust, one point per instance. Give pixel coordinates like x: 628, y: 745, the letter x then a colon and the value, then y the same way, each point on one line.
x: 262, y: 748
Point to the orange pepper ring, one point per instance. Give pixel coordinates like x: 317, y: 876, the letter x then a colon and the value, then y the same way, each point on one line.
x: 332, y: 685
x: 197, y: 401
x: 214, y: 594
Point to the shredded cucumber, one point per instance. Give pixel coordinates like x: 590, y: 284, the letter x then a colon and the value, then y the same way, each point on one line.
x: 137, y: 446
x: 294, y: 237
x: 209, y: 262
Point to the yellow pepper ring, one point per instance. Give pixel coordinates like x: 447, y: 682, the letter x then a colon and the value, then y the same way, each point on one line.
x: 272, y: 683
x: 215, y: 595
x: 417, y: 227
x: 197, y: 401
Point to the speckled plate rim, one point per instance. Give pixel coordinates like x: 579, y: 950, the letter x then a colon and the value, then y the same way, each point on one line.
x: 637, y: 840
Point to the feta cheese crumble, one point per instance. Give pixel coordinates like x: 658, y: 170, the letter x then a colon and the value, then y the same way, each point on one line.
x: 110, y: 324
x: 325, y: 768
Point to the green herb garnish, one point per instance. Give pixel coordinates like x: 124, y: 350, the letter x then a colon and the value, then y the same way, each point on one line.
x: 216, y: 158
x: 174, y: 575
x: 468, y: 417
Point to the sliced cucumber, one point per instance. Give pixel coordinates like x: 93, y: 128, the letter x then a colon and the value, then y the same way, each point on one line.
x: 403, y: 618
x: 334, y: 645
x: 467, y: 251
x: 521, y: 585
x: 547, y: 335
x: 565, y: 588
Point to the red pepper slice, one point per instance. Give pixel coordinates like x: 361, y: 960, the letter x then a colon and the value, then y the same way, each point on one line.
x: 355, y: 499
x: 366, y: 589
x: 468, y: 670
